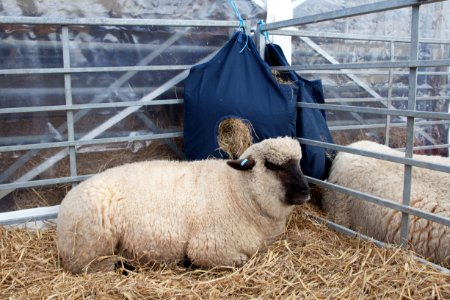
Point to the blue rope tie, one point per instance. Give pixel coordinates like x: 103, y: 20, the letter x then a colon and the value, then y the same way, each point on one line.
x: 265, y: 33
x: 241, y: 23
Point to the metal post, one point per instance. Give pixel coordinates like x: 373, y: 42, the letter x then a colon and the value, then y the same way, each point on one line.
x: 68, y: 96
x: 258, y: 40
x: 414, y: 46
x: 389, y: 96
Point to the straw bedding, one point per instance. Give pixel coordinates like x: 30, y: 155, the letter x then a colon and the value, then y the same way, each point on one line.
x: 309, y: 261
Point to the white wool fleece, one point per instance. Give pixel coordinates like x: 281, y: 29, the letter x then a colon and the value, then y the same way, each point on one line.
x: 430, y: 192
x: 168, y: 211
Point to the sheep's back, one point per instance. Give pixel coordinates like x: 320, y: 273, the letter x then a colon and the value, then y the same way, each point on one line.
x: 384, y: 179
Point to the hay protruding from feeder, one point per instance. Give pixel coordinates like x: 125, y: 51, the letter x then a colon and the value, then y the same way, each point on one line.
x: 234, y: 136
x: 281, y: 78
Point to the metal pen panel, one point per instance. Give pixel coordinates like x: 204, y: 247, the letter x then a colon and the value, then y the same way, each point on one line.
x: 396, y: 159
x: 68, y: 96
x: 347, y: 12
x: 369, y: 65
x: 412, y: 92
x: 116, y: 22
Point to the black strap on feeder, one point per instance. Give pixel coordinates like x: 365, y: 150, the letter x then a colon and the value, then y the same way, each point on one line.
x: 311, y: 122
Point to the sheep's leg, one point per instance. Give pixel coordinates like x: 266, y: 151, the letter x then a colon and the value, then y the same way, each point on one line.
x: 206, y: 251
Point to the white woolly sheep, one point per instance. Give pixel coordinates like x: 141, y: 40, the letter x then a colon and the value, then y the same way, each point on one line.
x: 430, y: 192
x: 212, y: 212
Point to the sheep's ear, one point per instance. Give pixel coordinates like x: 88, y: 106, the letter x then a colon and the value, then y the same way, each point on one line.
x: 242, y: 164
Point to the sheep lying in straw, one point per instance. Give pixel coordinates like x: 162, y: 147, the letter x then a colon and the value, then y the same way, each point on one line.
x: 212, y: 212
x: 430, y: 192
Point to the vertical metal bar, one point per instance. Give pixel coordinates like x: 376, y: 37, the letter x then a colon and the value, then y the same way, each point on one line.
x: 258, y: 40
x: 68, y: 96
x: 412, y: 91
x: 389, y: 96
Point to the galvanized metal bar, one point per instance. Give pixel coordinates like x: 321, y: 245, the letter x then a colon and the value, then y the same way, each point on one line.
x: 371, y: 72
x: 382, y: 156
x: 378, y: 111
x: 71, y: 107
x: 347, y: 12
x: 412, y: 92
x: 368, y: 65
x: 360, y: 37
x: 352, y: 233
x: 389, y: 103
x: 38, y: 138
x: 35, y: 139
x: 382, y: 202
x: 29, y: 215
x: 345, y: 230
x: 67, y: 70
x: 375, y: 125
x: 159, y: 102
x: 259, y: 40
x: 42, y: 182
x: 68, y: 97
x: 428, y: 147
x: 83, y: 141
x: 384, y: 99
x: 103, y: 45
x: 116, y: 22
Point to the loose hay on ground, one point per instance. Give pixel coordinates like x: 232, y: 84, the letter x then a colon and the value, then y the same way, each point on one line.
x: 309, y: 262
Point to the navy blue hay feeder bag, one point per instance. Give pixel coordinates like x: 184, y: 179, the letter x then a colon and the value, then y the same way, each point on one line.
x: 236, y: 83
x: 311, y: 122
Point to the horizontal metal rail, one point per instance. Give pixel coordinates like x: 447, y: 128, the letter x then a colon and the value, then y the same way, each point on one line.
x: 111, y: 46
x: 428, y: 147
x: 378, y: 111
x: 35, y: 71
x: 372, y: 72
x: 350, y: 36
x: 383, y: 99
x: 78, y: 143
x: 383, y: 202
x: 382, y: 156
x: 383, y: 125
x: 42, y: 182
x: 116, y: 22
x: 29, y: 109
x: 382, y: 111
x: 368, y: 65
x: 347, y: 12
x: 29, y: 215
x: 345, y: 230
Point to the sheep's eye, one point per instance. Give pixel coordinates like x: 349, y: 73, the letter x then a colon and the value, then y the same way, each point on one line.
x: 272, y: 166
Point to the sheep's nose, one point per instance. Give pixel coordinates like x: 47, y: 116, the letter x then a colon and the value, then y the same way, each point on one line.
x: 297, y: 190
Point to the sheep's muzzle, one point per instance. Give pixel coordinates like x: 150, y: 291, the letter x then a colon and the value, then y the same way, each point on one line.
x: 296, y: 186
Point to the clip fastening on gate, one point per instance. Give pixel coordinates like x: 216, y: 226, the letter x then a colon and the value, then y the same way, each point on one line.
x: 241, y: 23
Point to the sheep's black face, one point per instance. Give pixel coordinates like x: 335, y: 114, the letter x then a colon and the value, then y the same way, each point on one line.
x: 294, y: 182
